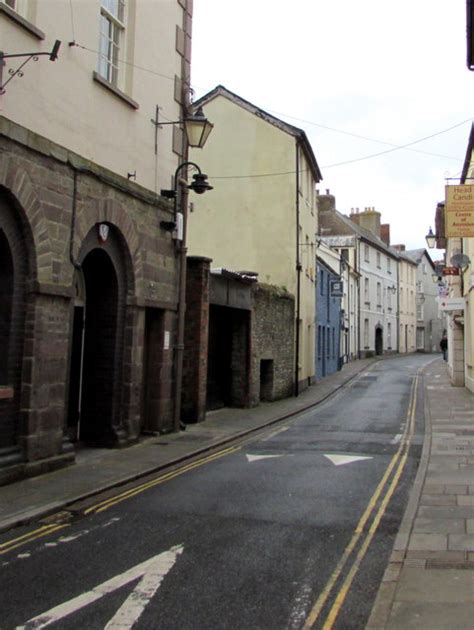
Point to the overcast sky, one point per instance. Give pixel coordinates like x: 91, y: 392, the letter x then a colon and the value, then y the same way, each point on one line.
x: 390, y: 71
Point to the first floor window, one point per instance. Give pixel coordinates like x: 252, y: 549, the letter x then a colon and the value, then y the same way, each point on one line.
x: 111, y: 35
x: 366, y: 333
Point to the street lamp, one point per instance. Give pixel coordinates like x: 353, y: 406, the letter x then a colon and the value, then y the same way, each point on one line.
x: 196, y: 126
x: 199, y: 185
x: 430, y: 239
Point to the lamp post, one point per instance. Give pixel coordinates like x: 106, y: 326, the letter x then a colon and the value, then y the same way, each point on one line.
x: 430, y: 239
x: 196, y: 126
x: 199, y: 185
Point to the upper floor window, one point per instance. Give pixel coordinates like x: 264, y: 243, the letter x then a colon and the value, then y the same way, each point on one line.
x: 366, y: 253
x: 366, y: 290
x: 111, y: 38
x: 379, y: 263
x: 389, y: 265
x: 379, y: 294
x: 10, y: 3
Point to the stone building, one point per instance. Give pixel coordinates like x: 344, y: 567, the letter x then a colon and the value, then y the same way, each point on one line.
x: 88, y: 266
x: 239, y: 340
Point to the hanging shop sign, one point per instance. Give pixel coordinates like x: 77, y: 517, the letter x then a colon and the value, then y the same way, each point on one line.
x: 450, y: 271
x: 337, y: 288
x: 459, y: 211
x: 451, y: 304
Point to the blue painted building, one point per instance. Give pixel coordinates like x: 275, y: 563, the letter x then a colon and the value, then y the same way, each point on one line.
x: 328, y: 320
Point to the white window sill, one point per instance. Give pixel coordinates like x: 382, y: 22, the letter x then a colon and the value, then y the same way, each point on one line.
x: 114, y: 90
x: 21, y: 21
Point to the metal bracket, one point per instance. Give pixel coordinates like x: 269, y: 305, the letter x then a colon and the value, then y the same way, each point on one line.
x: 53, y: 55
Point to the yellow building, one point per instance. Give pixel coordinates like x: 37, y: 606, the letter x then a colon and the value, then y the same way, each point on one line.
x: 407, y: 301
x: 261, y: 215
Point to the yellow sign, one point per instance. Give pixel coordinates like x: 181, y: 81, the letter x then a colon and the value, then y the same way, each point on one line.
x: 459, y: 211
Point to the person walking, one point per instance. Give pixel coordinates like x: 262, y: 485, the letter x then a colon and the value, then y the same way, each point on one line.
x: 443, y: 344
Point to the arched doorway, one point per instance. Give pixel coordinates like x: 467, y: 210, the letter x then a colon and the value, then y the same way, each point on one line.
x: 14, y: 272
x: 6, y: 303
x: 378, y: 341
x: 95, y: 354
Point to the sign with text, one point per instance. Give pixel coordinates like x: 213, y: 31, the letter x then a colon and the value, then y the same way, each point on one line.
x: 337, y: 288
x: 459, y: 211
x: 451, y: 304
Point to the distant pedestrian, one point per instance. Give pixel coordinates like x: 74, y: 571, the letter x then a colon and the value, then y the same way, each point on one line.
x: 443, y: 344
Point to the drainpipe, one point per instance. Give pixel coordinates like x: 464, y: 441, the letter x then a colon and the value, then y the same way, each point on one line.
x: 298, y: 272
x: 398, y: 308
x: 357, y: 254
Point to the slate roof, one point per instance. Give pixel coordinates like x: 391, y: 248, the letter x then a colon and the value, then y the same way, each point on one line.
x: 339, y: 224
x: 417, y: 255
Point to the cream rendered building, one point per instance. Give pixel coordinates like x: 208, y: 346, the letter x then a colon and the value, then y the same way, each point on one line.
x: 407, y: 301
x: 117, y: 63
x: 261, y: 215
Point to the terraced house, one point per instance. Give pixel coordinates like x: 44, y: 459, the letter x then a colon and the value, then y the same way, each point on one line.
x: 88, y: 265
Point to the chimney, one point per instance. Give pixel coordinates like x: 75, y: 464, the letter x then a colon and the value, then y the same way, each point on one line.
x: 399, y: 247
x: 327, y: 202
x: 385, y: 233
x: 369, y: 220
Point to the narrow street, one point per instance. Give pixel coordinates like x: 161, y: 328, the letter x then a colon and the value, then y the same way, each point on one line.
x: 290, y: 529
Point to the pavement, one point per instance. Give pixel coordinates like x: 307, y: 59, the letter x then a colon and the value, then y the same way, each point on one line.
x: 429, y: 580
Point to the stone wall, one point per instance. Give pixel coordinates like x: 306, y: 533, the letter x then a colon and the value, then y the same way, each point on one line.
x: 51, y: 204
x: 272, y: 343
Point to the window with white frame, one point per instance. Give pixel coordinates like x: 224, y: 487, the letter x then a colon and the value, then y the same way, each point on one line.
x: 389, y: 265
x: 389, y: 300
x: 379, y: 295
x: 366, y: 290
x: 366, y: 253
x: 379, y: 262
x: 389, y: 335
x: 419, y: 311
x: 112, y: 28
x: 366, y: 333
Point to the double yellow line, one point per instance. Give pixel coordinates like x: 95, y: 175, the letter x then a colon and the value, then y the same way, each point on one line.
x: 46, y: 530
x: 381, y: 497
x: 118, y: 498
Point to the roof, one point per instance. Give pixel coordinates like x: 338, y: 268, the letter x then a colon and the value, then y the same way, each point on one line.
x: 417, y: 255
x: 341, y: 225
x: 322, y: 263
x: 249, y: 277
x: 405, y: 256
x: 297, y: 133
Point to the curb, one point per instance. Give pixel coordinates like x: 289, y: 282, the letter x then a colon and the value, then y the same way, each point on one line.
x: 48, y: 509
x: 385, y: 598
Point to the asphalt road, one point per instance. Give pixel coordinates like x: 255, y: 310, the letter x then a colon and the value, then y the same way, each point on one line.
x: 290, y: 529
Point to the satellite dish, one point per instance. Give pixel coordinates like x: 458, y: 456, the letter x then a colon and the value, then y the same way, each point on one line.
x: 460, y: 260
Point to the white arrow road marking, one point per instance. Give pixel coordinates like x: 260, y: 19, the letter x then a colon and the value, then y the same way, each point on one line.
x: 255, y: 458
x: 340, y: 460
x: 396, y: 439
x: 151, y: 571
